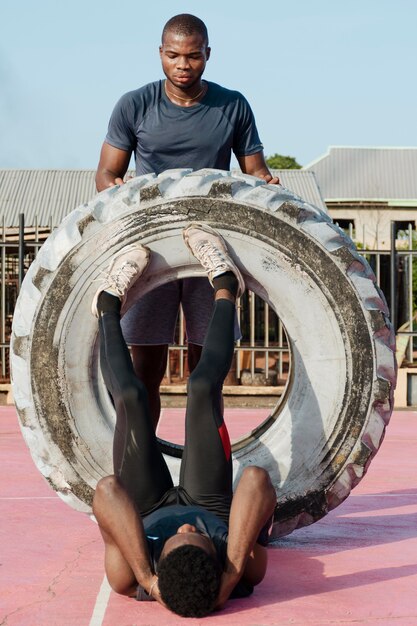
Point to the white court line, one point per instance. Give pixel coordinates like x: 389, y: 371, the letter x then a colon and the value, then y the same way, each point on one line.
x: 100, y: 606
x: 30, y: 498
x: 382, y: 495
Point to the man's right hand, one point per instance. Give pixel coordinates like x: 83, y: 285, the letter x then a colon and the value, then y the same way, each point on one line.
x: 112, y: 167
x: 117, y: 181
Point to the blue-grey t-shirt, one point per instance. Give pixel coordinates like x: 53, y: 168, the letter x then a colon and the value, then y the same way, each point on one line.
x: 165, y: 521
x: 164, y: 135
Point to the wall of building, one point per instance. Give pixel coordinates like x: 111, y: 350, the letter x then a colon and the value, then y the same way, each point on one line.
x: 372, y: 224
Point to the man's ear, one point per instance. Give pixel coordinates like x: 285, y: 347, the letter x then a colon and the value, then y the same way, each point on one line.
x: 208, y: 52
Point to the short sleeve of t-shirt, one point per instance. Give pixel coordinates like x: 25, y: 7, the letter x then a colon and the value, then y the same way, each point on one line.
x: 246, y: 139
x: 121, y: 132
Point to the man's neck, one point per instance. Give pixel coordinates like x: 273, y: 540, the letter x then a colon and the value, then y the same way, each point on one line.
x: 183, y: 97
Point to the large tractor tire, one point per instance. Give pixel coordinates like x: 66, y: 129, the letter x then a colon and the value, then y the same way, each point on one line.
x: 317, y: 444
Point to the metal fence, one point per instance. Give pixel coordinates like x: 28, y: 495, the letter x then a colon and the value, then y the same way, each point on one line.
x: 396, y: 274
x: 262, y: 356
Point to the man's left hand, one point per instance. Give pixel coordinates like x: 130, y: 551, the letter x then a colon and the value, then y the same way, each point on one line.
x: 227, y: 584
x: 268, y: 178
x: 156, y: 594
x: 254, y: 164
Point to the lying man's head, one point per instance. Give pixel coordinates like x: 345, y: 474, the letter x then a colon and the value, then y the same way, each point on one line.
x: 189, y: 574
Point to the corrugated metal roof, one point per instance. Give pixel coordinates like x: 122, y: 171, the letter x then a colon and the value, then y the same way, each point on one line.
x: 49, y: 195
x: 354, y: 173
x: 303, y: 184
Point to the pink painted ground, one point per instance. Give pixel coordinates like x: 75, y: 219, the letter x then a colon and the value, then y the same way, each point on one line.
x: 357, y: 566
x: 239, y: 422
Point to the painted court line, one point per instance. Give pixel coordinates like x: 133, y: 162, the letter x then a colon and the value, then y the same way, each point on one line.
x: 383, y: 495
x: 100, y: 606
x: 29, y: 498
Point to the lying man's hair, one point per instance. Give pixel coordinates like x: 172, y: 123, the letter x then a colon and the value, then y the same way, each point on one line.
x: 189, y: 581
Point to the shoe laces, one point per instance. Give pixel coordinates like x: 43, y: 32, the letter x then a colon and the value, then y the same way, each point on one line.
x: 122, y: 278
x: 211, y: 257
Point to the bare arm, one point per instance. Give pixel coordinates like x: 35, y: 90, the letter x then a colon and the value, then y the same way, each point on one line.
x: 112, y: 166
x: 127, y: 560
x: 253, y: 503
x: 255, y: 165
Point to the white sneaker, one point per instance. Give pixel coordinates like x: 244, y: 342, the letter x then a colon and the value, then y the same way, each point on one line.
x: 125, y: 268
x: 210, y: 249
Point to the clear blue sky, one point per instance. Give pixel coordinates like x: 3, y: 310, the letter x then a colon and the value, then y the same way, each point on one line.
x: 316, y: 73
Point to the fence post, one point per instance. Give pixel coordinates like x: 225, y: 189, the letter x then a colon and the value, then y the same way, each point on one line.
x: 21, y: 248
x: 410, y: 293
x: 393, y: 277
x: 3, y: 300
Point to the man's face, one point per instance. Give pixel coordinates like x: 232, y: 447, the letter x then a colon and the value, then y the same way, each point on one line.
x: 187, y: 534
x: 183, y: 59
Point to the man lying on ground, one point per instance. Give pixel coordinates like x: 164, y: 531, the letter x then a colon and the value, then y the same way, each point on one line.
x: 192, y: 546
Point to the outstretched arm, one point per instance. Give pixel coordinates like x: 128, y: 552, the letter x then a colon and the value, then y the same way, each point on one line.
x: 255, y: 165
x: 112, y: 166
x: 253, y: 504
x: 127, y: 562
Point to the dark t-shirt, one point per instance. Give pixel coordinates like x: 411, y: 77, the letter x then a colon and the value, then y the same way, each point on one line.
x: 165, y: 136
x: 164, y: 523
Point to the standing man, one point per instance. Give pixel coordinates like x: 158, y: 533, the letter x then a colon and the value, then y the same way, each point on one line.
x: 180, y: 122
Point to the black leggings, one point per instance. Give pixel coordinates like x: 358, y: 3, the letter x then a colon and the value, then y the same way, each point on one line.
x: 206, y: 466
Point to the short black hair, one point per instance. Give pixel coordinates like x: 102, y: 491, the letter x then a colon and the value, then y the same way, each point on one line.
x: 189, y: 581
x: 185, y: 25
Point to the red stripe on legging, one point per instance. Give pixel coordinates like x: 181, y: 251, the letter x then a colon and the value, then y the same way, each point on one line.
x: 224, y: 436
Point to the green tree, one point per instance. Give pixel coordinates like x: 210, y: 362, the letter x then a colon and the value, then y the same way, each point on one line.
x: 281, y: 162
